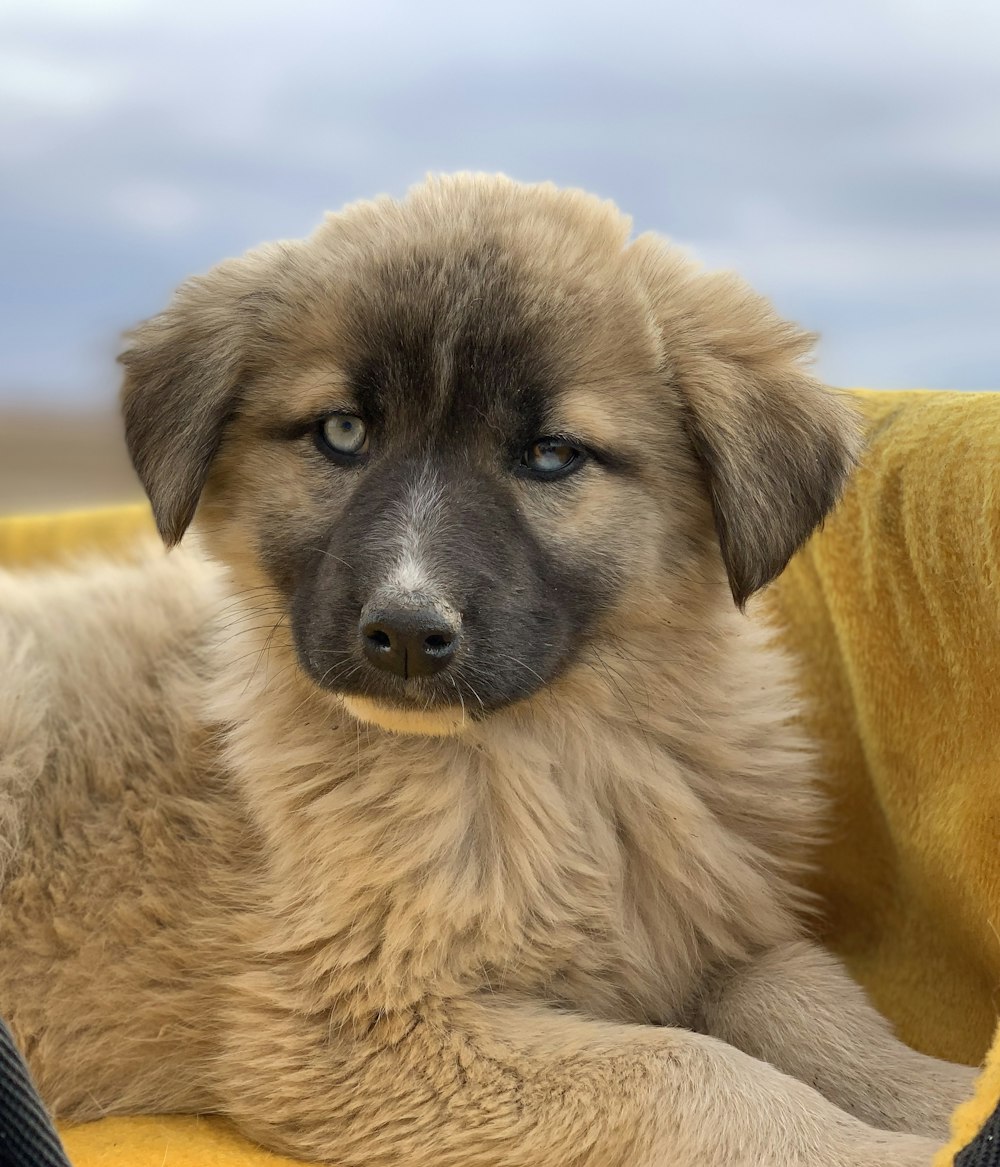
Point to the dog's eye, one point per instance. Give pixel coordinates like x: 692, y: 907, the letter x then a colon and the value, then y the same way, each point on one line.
x: 551, y: 457
x: 343, y: 434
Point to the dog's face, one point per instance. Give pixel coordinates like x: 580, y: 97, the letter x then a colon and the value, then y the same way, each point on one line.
x: 458, y: 440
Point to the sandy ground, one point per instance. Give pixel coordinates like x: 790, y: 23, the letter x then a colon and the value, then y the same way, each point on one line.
x: 58, y: 461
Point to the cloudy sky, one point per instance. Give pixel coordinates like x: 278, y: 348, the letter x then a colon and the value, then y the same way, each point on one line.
x: 844, y: 156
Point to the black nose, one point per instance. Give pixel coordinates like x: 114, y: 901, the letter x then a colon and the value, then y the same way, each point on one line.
x: 411, y: 642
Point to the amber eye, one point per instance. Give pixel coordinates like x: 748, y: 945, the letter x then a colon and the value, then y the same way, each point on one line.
x: 552, y: 457
x: 343, y: 434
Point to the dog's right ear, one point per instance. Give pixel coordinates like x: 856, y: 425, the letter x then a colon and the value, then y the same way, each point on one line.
x: 183, y: 370
x: 774, y: 445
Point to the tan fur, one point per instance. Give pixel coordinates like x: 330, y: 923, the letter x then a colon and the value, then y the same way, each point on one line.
x: 432, y: 723
x: 566, y: 934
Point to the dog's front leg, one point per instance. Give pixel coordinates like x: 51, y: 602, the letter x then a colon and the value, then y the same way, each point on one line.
x: 798, y: 1009
x: 499, y: 1083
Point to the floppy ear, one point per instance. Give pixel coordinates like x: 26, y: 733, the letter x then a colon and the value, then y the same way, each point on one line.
x: 775, y: 445
x: 776, y: 451
x: 182, y: 377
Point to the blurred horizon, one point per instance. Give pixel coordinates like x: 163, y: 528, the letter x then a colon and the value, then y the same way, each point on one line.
x: 844, y: 158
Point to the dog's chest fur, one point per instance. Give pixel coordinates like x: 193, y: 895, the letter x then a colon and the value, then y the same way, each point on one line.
x: 593, y: 852
x: 593, y: 858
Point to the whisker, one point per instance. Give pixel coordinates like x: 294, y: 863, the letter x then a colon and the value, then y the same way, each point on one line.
x: 472, y: 690
x: 510, y: 656
x: 330, y: 555
x: 461, y: 699
x: 624, y: 696
x: 274, y: 676
x: 253, y: 671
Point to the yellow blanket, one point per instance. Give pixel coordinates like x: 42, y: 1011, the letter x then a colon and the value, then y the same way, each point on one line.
x: 894, y: 611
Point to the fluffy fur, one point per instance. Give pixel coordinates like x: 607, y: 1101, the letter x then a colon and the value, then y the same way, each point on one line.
x: 543, y: 912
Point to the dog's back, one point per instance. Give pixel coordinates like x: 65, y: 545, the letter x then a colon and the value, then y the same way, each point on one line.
x: 115, y: 825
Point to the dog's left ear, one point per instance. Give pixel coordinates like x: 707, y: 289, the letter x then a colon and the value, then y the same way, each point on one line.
x: 776, y: 450
x: 183, y: 370
x: 775, y: 445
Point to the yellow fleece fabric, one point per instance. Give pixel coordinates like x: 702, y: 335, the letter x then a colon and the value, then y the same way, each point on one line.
x: 894, y: 612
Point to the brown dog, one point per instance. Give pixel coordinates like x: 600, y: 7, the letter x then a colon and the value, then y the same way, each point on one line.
x: 445, y: 808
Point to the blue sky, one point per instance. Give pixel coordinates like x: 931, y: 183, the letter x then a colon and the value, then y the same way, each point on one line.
x: 844, y: 156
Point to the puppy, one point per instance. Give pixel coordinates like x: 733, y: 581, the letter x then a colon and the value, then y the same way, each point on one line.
x: 443, y: 805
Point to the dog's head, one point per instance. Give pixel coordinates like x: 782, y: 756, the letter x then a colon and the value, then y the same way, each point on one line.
x: 457, y: 439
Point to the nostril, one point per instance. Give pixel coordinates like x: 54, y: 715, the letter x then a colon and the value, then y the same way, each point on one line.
x: 378, y: 638
x: 438, y: 643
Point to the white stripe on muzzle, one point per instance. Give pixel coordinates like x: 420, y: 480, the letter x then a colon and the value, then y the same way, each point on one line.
x: 416, y: 523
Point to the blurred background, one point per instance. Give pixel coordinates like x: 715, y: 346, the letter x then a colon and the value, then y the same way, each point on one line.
x: 845, y: 157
